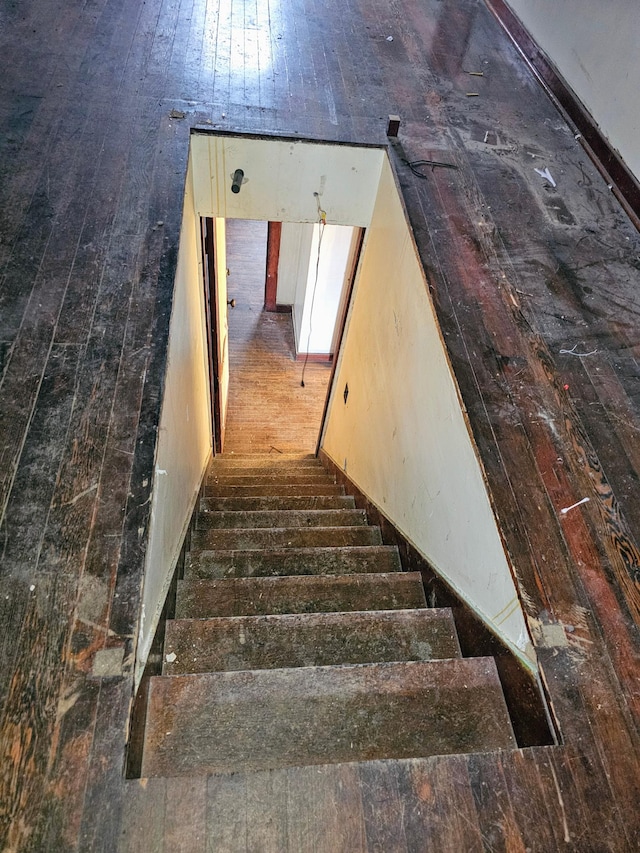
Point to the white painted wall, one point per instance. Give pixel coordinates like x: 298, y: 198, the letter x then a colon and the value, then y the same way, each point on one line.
x: 315, y: 318
x: 402, y: 436
x: 184, y: 438
x: 293, y: 263
x: 281, y: 178
x: 595, y: 46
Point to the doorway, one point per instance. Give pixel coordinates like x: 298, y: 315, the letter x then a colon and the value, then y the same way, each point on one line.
x: 267, y: 408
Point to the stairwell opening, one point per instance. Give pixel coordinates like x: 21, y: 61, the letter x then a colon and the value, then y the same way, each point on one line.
x: 401, y: 438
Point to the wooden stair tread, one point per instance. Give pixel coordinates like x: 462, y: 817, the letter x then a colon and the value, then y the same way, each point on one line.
x: 292, y: 561
x: 247, y: 468
x: 267, y: 479
x: 275, y: 502
x: 258, y: 459
x: 282, y: 518
x: 307, y: 639
x: 275, y: 488
x: 251, y: 538
x: 252, y: 720
x: 298, y: 594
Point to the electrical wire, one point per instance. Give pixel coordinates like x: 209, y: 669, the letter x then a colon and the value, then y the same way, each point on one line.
x: 322, y: 222
x: 416, y: 164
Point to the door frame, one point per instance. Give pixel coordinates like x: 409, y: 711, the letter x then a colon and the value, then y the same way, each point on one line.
x: 211, y: 320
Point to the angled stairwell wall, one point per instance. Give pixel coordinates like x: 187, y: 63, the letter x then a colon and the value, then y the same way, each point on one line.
x: 401, y: 435
x: 183, y: 447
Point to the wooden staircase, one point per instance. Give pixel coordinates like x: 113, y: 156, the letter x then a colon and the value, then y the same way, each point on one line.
x: 299, y: 641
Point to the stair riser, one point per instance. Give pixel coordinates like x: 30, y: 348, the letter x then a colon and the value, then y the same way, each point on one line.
x: 271, y: 642
x: 308, y: 594
x: 259, y: 720
x: 283, y: 518
x: 293, y: 537
x: 325, y: 561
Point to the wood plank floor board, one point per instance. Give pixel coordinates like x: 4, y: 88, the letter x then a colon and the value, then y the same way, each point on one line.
x: 34, y: 484
x: 175, y: 86
x: 89, y: 163
x: 62, y: 807
x: 13, y: 608
x: 94, y: 257
x: 31, y: 706
x: 383, y: 808
x: 158, y: 60
x: 267, y: 825
x: 148, y: 322
x: 535, y: 822
x: 144, y: 815
x: 324, y: 810
x: 497, y: 820
x: 439, y: 810
x: 185, y: 805
x: 33, y: 341
x: 227, y: 819
x: 105, y: 791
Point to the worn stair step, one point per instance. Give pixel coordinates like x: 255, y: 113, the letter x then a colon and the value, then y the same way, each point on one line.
x: 260, y: 719
x: 200, y: 599
x: 284, y: 478
x: 307, y: 639
x: 294, y: 561
x: 272, y: 502
x: 283, y: 518
x: 248, y: 469
x: 252, y: 538
x: 270, y: 460
x: 276, y: 489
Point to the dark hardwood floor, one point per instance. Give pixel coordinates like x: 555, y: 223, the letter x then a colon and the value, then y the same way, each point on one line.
x: 538, y: 293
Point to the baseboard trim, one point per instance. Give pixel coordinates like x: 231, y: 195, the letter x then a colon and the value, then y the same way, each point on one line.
x: 622, y: 181
x: 316, y: 357
x: 522, y: 690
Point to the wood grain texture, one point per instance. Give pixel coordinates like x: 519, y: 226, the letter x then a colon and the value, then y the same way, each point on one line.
x: 268, y: 408
x: 90, y: 162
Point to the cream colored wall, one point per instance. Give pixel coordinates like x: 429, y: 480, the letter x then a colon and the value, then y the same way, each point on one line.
x: 596, y: 47
x: 281, y: 178
x: 322, y: 296
x: 402, y: 437
x: 293, y: 263
x: 184, y: 437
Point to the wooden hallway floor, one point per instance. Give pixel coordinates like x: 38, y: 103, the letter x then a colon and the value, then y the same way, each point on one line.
x: 269, y: 410
x: 537, y: 290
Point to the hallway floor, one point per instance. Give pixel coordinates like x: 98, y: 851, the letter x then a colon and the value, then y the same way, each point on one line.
x: 269, y: 410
